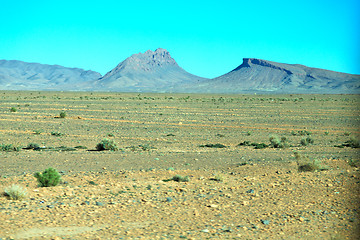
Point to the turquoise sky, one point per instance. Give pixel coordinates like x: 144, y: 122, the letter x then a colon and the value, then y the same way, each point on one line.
x: 206, y: 38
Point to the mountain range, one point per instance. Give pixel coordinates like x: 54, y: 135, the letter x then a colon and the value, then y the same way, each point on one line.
x: 157, y: 71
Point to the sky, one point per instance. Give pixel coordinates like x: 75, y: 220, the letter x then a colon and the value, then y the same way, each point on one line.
x: 206, y: 38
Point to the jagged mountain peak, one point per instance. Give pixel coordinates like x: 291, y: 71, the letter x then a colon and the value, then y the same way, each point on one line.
x: 150, y: 59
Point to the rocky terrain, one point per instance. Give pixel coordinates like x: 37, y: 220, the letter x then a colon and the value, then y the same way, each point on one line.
x: 239, y: 187
x: 157, y: 71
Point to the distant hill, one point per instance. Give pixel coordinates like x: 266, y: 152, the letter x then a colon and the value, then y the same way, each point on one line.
x: 255, y: 75
x: 147, y: 72
x: 157, y: 71
x: 18, y: 75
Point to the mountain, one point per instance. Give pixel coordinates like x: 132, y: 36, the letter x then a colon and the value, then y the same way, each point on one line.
x: 157, y: 71
x: 18, y: 75
x: 256, y: 75
x: 152, y: 71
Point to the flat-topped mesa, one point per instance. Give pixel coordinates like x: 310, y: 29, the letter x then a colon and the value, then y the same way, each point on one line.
x: 249, y: 62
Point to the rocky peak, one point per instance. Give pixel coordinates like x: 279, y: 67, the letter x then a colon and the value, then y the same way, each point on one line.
x: 150, y: 60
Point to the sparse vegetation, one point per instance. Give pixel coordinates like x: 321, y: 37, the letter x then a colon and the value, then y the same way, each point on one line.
x: 352, y: 142
x: 50, y: 177
x: 9, y: 148
x: 15, y: 192
x: 217, y: 145
x: 32, y: 146
x: 301, y: 133
x: 354, y: 163
x: 80, y: 147
x: 62, y: 114
x: 218, y: 178
x: 178, y: 178
x: 58, y: 134
x: 256, y: 145
x: 307, y: 165
x: 306, y: 141
x: 276, y: 142
x: 107, y: 144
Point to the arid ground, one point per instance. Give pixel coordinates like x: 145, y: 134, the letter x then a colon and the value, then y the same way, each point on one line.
x: 234, y: 192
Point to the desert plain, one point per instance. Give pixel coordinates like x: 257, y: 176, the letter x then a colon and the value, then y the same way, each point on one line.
x: 233, y: 192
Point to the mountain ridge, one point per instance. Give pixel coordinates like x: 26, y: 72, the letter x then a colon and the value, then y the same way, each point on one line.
x: 19, y: 75
x: 157, y: 71
x: 267, y: 76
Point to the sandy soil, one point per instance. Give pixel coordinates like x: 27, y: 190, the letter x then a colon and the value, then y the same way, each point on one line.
x: 122, y: 195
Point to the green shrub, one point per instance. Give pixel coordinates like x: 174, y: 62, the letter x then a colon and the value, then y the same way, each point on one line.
x: 217, y: 145
x: 32, y: 146
x: 107, y: 144
x: 259, y: 145
x: 353, y: 143
x: 178, y: 178
x: 58, y: 134
x: 9, y: 148
x: 307, y: 141
x: 276, y: 142
x: 50, y: 177
x: 307, y: 165
x: 256, y: 145
x: 62, y: 114
x: 13, y: 109
x: 301, y: 133
x: 15, y: 192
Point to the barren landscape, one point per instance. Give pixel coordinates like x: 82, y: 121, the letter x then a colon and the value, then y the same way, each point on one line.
x: 240, y: 184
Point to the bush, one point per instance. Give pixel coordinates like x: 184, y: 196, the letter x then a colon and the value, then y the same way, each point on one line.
x: 62, y: 114
x: 107, y: 144
x: 33, y: 146
x: 58, y: 134
x: 307, y: 141
x: 50, y: 177
x: 307, y: 165
x: 301, y: 133
x: 178, y: 178
x: 217, y: 145
x: 15, y: 192
x: 353, y: 143
x: 13, y: 109
x: 9, y: 148
x: 278, y: 143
